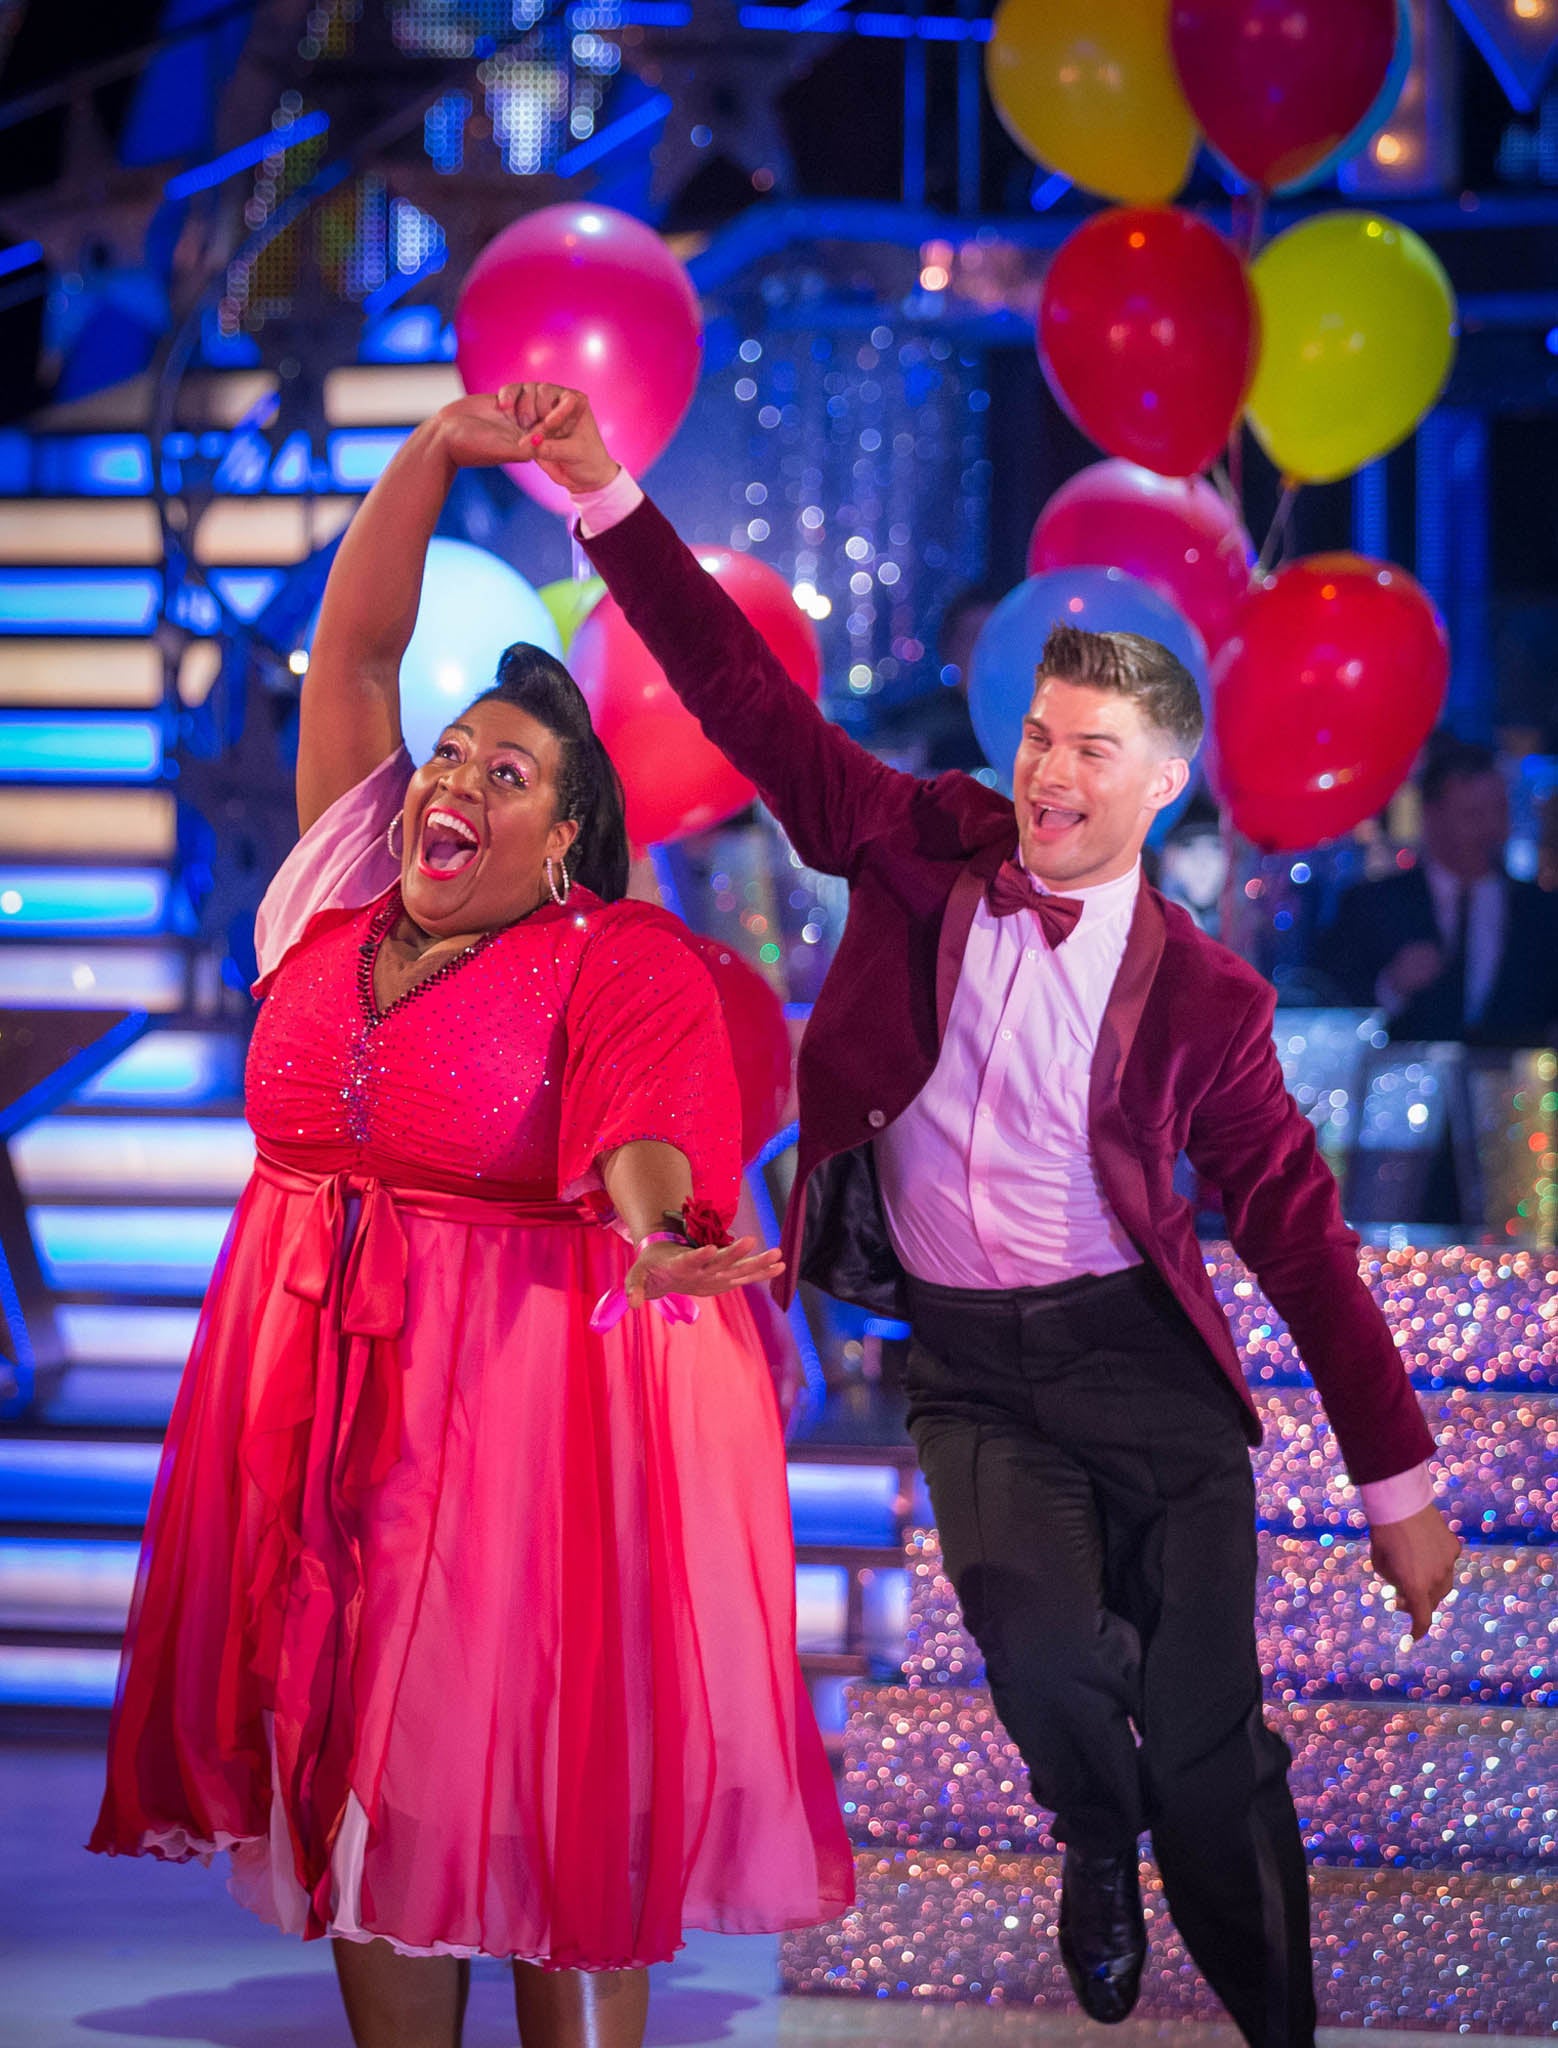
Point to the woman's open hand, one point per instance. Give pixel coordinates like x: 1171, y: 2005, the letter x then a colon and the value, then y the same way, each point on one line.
x: 561, y: 435
x: 663, y: 1269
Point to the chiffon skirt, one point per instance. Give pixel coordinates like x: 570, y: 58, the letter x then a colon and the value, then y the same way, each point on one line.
x: 458, y: 1623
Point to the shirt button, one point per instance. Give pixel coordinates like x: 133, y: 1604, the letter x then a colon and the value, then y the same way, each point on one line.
x: 985, y: 1113
x: 1032, y: 953
x: 1006, y: 1034
x: 876, y: 1118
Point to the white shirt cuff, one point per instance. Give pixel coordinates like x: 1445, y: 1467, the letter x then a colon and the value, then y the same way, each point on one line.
x: 1393, y: 1499
x: 601, y: 510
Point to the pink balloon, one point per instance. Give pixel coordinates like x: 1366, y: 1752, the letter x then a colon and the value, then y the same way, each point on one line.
x: 588, y: 297
x: 1176, y: 534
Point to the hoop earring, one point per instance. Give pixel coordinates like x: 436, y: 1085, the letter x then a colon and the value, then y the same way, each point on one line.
x: 389, y: 835
x: 559, y: 897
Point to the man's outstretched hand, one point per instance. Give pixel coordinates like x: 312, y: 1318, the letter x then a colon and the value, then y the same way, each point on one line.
x: 1416, y: 1559
x: 559, y: 434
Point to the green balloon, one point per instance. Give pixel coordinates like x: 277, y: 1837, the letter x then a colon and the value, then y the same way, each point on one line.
x: 570, y: 603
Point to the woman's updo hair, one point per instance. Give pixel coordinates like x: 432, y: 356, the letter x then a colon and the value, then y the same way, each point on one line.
x: 588, y: 788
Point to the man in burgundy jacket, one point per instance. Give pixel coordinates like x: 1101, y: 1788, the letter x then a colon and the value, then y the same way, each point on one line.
x: 1014, y: 1043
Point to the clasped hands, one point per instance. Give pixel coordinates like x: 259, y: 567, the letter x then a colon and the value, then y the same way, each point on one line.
x: 546, y: 424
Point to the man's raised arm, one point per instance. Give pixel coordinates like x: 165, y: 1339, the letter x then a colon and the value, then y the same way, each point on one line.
x: 826, y: 790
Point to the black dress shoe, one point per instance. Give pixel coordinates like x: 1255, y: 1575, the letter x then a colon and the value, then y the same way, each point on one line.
x: 1103, y: 1936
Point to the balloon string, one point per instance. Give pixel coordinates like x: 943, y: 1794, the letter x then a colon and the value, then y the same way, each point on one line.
x: 1277, y: 531
x: 1229, y: 893
x: 1257, y: 224
x: 1248, y: 218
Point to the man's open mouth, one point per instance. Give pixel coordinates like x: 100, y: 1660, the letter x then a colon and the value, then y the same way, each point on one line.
x: 449, y: 843
x: 1048, y: 819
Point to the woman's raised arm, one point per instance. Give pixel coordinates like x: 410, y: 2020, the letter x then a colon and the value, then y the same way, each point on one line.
x: 350, y: 712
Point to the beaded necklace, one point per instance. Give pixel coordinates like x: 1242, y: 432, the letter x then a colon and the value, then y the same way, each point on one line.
x: 368, y: 958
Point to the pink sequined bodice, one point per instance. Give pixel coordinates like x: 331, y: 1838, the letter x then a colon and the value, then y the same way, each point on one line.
x: 507, y: 1073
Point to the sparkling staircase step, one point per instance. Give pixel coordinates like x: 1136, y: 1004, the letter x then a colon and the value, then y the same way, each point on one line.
x: 1325, y: 1627
x: 1496, y: 1472
x: 1447, y: 1951
x: 1461, y: 1315
x: 1374, y: 1783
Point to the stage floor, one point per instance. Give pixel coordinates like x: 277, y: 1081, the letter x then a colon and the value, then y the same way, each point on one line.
x: 97, y: 1952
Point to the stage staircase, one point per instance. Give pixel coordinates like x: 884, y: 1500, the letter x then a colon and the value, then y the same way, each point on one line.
x: 1426, y: 1776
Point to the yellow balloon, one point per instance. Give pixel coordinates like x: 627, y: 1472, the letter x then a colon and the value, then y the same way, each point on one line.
x: 570, y: 602
x: 1357, y: 339
x: 1089, y: 88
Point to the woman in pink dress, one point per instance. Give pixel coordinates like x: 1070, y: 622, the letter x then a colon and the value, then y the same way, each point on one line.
x: 466, y: 1616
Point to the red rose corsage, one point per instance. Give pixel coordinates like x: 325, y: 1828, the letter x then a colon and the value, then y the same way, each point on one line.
x: 702, y: 1225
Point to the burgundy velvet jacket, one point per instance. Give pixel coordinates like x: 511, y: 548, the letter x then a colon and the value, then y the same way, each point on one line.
x: 1184, y: 1060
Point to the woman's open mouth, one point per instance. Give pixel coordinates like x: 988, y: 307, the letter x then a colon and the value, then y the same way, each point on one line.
x: 448, y: 845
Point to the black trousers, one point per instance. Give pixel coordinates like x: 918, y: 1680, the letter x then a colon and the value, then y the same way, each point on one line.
x: 1091, y: 1481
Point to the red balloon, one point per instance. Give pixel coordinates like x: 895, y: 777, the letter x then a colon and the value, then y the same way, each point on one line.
x: 675, y: 780
x: 1148, y: 335
x: 588, y: 297
x: 1331, y: 680
x: 759, y: 1038
x: 1277, y: 85
x: 1175, y: 533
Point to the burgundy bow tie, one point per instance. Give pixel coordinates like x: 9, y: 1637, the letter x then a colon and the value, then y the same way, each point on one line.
x: 1011, y: 889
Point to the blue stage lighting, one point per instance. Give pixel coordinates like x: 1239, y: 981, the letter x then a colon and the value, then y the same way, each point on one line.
x: 42, y: 1675
x: 20, y: 256
x: 79, y: 749
x: 134, y: 1251
x: 187, y: 1068
x: 203, y: 176
x: 836, y: 1504
x: 48, y: 1480
x: 246, y: 592
x: 613, y: 135
x: 37, y: 900
x: 79, y: 600
x: 359, y: 455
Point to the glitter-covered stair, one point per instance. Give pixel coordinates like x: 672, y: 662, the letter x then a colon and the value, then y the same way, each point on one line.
x: 1426, y: 1779
x: 1414, y: 1950
x: 1426, y: 1775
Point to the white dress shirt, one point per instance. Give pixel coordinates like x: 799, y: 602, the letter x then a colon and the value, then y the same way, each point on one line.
x: 988, y: 1177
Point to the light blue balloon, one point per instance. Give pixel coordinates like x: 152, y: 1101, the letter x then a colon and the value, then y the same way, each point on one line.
x: 1384, y: 105
x: 473, y: 606
x: 1004, y: 668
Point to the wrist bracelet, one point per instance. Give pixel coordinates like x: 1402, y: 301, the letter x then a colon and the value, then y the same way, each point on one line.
x: 659, y: 1237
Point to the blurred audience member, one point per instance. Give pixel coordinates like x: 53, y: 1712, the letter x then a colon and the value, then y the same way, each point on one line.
x: 1452, y: 947
x: 1193, y: 864
x: 1547, y: 844
x: 933, y: 731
